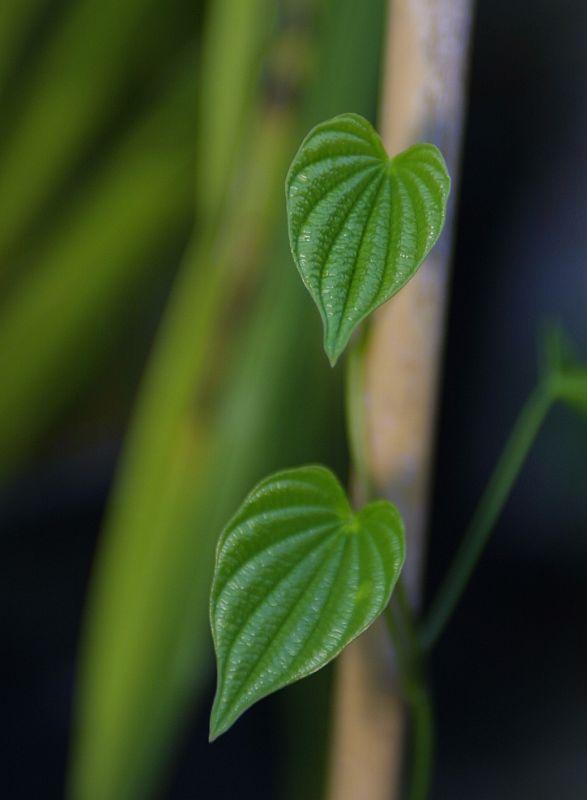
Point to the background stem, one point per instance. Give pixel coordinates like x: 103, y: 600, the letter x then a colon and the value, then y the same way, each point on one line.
x: 401, y: 626
x: 379, y: 721
x: 492, y: 501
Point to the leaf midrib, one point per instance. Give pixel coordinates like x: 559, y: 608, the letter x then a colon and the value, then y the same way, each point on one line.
x: 226, y: 657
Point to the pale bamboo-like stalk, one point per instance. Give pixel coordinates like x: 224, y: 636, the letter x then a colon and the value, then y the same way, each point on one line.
x: 423, y: 101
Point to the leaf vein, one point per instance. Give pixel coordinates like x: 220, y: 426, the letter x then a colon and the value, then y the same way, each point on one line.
x: 259, y: 664
x: 232, y: 643
x: 338, y: 232
x: 305, y: 534
x: 317, y: 571
x: 355, y: 269
x: 330, y: 157
x: 315, y: 202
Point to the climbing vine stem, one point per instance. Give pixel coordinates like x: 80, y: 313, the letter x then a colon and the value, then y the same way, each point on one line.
x: 492, y: 501
x: 399, y: 617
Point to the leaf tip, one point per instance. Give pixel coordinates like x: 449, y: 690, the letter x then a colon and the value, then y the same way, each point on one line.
x: 215, y: 733
x: 334, y: 344
x: 217, y: 727
x: 332, y: 358
x: 332, y: 353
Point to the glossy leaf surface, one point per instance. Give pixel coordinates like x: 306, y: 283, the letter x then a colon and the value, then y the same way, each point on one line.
x: 360, y: 223
x: 298, y: 576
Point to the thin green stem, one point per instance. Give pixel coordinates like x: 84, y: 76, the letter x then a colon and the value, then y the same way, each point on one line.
x: 399, y: 616
x: 422, y: 741
x: 490, y: 506
x: 414, y: 686
x: 355, y: 415
x: 407, y: 616
x: 397, y: 635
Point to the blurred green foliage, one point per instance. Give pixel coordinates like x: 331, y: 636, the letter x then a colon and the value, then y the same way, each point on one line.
x: 69, y: 304
x: 126, y: 125
x: 563, y: 368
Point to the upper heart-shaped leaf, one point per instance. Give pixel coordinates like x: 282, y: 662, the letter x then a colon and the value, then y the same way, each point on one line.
x: 298, y: 576
x: 360, y: 223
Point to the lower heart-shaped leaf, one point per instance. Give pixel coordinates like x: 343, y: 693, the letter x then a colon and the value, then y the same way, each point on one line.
x: 360, y: 223
x: 298, y: 576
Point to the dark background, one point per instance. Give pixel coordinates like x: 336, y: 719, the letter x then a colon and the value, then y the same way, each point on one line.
x: 509, y: 676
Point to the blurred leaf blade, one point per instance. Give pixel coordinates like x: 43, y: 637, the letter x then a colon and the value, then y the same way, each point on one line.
x: 77, y: 78
x: 158, y: 543
x: 556, y: 351
x: 562, y: 367
x: 16, y: 18
x: 138, y: 201
x: 236, y: 36
x: 573, y: 390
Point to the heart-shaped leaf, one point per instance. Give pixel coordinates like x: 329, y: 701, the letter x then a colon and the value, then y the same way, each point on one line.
x: 298, y: 576
x: 360, y: 223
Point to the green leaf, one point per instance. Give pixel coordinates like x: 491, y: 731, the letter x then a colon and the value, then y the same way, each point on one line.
x: 298, y: 576
x: 562, y: 368
x: 573, y: 389
x: 557, y: 352
x: 360, y: 223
